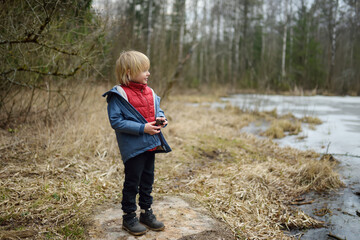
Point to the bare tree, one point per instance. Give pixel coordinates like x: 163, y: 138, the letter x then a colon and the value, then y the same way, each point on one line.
x: 41, y: 42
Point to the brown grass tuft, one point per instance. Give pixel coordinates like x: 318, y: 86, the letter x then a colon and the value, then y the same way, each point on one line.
x: 318, y: 175
x: 311, y: 120
x: 278, y: 128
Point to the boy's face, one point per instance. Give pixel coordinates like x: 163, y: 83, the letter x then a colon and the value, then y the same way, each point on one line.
x: 142, y: 77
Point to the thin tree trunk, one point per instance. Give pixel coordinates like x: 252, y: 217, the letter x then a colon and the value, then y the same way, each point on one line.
x: 227, y: 32
x: 204, y: 44
x: 291, y: 38
x: 181, y: 42
x: 244, y: 51
x: 283, y: 71
x: 181, y: 34
x: 194, y: 64
x: 230, y: 66
x: 148, y: 47
x: 332, y: 35
x: 218, y: 49
x: 237, y: 40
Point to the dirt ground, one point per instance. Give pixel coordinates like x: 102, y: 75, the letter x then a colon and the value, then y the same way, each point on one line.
x: 183, y: 219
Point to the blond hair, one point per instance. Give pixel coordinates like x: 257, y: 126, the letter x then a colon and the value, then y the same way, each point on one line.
x: 130, y: 61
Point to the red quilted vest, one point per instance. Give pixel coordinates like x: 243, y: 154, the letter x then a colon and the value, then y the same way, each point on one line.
x: 140, y: 96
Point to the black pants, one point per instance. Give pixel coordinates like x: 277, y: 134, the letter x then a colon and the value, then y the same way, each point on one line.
x: 139, y: 178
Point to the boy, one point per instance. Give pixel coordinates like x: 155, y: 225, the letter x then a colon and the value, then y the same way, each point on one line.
x: 135, y: 115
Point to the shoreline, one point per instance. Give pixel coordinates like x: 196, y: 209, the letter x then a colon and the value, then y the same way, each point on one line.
x: 338, y: 209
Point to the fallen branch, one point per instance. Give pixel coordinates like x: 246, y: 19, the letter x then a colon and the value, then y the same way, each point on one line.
x: 299, y: 199
x: 302, y: 203
x: 346, y: 213
x: 334, y: 236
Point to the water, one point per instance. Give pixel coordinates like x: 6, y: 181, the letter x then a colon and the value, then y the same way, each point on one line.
x: 338, y: 135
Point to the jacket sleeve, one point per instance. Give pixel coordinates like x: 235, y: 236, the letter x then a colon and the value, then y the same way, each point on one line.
x: 118, y: 122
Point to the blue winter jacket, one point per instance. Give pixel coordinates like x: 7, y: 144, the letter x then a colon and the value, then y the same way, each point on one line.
x: 129, y: 125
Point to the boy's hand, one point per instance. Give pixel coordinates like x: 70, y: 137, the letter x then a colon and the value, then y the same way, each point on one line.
x: 162, y: 120
x: 151, y: 129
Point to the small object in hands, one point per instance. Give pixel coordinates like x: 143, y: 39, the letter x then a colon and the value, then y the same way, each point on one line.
x: 159, y: 122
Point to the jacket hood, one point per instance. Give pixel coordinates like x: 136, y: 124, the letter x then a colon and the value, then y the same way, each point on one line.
x: 111, y: 91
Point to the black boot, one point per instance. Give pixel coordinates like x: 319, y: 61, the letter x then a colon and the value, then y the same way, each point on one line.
x: 148, y: 218
x: 132, y: 225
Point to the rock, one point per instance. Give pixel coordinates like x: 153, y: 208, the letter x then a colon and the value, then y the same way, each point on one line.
x: 182, y: 221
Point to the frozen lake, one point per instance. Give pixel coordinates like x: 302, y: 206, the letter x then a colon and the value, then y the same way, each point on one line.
x: 338, y: 135
x: 340, y: 131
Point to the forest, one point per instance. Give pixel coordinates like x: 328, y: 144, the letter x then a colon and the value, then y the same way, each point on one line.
x: 281, y: 45
x: 277, y: 45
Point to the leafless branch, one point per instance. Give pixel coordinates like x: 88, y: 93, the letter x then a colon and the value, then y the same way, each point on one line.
x: 32, y: 9
x: 56, y: 73
x: 31, y: 36
x: 177, y: 71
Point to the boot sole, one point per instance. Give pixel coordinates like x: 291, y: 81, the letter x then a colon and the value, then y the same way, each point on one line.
x: 154, y: 229
x: 134, y: 233
x: 158, y: 229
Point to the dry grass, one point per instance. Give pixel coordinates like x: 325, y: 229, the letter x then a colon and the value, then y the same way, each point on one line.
x: 53, y: 176
x: 245, y: 181
x: 283, y: 125
x: 287, y: 124
x: 311, y: 120
x: 278, y: 128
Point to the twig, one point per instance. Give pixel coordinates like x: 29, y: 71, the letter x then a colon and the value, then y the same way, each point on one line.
x: 10, y: 145
x: 345, y: 154
x: 327, y: 148
x: 57, y: 49
x: 299, y: 199
x: 343, y: 212
x: 334, y: 236
x: 33, y: 86
x: 302, y: 203
x: 33, y: 11
x: 33, y: 37
x: 56, y: 73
